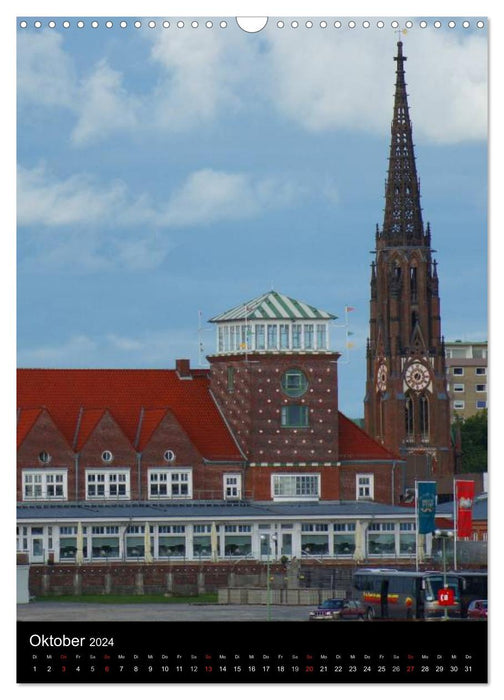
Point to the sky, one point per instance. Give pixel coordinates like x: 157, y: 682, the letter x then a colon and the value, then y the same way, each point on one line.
x: 167, y: 174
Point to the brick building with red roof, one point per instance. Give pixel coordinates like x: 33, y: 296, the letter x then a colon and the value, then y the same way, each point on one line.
x: 183, y: 464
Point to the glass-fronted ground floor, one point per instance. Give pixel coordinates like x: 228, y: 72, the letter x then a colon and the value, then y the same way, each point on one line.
x: 215, y: 531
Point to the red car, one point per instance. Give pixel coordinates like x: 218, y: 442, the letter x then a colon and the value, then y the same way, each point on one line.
x: 477, y: 610
x: 339, y: 609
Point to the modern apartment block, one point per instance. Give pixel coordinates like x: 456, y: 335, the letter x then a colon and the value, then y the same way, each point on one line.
x: 467, y: 377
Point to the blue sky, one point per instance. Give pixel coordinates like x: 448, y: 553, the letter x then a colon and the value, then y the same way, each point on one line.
x: 168, y: 171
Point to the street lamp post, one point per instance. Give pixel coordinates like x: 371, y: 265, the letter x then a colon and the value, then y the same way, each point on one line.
x: 268, y: 539
x: 444, y: 535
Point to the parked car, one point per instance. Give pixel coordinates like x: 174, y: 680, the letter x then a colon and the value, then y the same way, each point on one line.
x: 339, y: 609
x: 477, y: 610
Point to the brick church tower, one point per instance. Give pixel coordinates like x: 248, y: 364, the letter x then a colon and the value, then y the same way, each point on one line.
x: 406, y: 404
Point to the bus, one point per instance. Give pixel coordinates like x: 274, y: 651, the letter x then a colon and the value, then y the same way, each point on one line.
x: 409, y: 595
x: 473, y: 585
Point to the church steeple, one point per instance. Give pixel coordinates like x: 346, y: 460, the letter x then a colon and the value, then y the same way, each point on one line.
x: 406, y: 404
x: 402, y: 223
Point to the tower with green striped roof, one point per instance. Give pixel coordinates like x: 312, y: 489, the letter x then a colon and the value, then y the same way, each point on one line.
x: 274, y: 379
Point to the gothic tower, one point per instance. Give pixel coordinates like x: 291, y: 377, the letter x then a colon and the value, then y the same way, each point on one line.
x: 406, y: 403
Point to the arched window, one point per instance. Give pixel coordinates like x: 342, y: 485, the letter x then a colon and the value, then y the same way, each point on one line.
x: 413, y: 282
x: 409, y: 416
x: 424, y: 416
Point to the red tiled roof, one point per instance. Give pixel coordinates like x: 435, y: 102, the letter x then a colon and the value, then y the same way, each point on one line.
x: 150, y: 421
x: 26, y: 421
x: 124, y: 392
x: 87, y: 422
x: 355, y: 443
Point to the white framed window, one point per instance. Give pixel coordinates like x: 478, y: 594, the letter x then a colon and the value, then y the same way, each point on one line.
x: 458, y: 388
x: 41, y: 485
x: 170, y: 483
x: 459, y: 405
x: 364, y: 487
x: 113, y: 484
x: 458, y: 371
x: 481, y: 404
x: 481, y: 388
x: 480, y: 370
x: 294, y: 416
x: 295, y: 486
x: 232, y: 486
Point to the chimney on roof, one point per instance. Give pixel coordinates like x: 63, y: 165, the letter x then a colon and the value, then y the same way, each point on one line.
x: 183, y: 369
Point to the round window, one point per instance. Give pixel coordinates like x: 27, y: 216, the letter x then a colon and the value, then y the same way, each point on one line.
x: 44, y: 457
x: 294, y: 382
x: 169, y: 456
x: 107, y: 456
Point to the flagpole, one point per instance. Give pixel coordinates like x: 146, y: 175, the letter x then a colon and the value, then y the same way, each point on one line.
x: 455, y: 524
x: 416, y: 524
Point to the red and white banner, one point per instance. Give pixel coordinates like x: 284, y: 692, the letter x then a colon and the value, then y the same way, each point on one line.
x: 464, y: 497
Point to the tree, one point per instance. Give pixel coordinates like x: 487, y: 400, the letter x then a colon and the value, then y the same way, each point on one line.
x: 471, y: 435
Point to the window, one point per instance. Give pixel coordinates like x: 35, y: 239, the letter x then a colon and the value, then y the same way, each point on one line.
x: 236, y: 544
x: 44, y: 457
x: 294, y: 382
x: 381, y: 539
x: 308, y: 336
x: 272, y: 337
x: 40, y: 485
x: 170, y: 483
x: 459, y: 405
x: 480, y: 370
x: 296, y: 486
x: 108, y: 484
x: 232, y: 486
x: 294, y: 416
x: 364, y: 486
x: 284, y: 336
x: 344, y: 539
x: 314, y: 544
x: 103, y: 545
x: 259, y: 335
x: 171, y: 541
x: 481, y: 404
x: 458, y: 371
x: 407, y: 538
x: 459, y: 388
x: 409, y: 416
x: 481, y: 387
x: 321, y: 336
x: 107, y: 456
x: 296, y: 336
x: 169, y: 456
x: 424, y: 416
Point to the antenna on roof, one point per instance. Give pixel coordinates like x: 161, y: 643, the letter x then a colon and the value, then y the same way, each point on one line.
x: 201, y: 346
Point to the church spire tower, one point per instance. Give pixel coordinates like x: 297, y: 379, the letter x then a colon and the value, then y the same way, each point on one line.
x: 406, y: 403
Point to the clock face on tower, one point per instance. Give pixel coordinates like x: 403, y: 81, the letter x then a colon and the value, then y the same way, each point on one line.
x: 417, y: 376
x: 381, y: 377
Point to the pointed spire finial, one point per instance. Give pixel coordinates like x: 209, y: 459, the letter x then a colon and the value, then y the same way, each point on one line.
x: 403, y: 217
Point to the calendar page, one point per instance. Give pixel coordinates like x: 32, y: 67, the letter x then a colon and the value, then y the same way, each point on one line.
x: 252, y: 386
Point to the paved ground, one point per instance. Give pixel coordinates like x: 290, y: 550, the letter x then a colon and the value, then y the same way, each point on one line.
x: 70, y: 612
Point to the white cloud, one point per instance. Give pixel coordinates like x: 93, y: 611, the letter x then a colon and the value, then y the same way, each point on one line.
x: 347, y: 82
x: 95, y: 225
x: 76, y: 347
x: 322, y: 80
x: 104, y: 105
x: 150, y: 349
x: 209, y: 195
x: 200, y: 74
x: 45, y: 72
x: 45, y: 200
x: 204, y: 197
